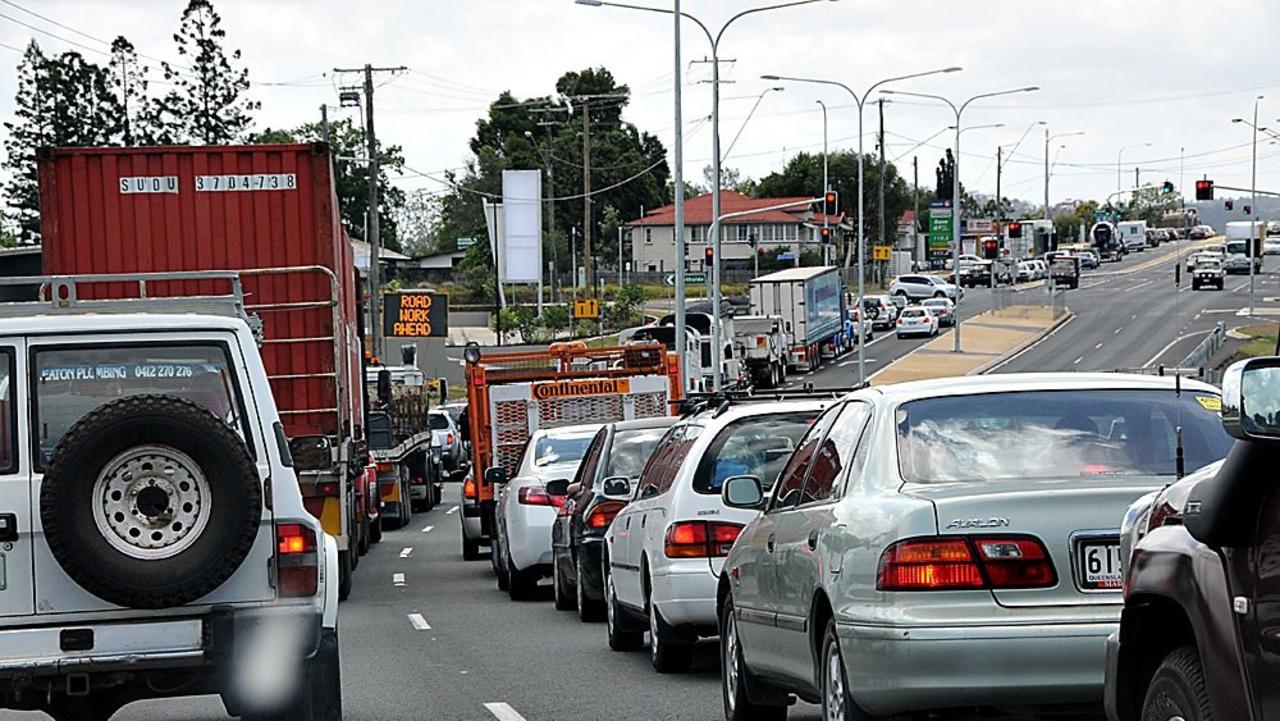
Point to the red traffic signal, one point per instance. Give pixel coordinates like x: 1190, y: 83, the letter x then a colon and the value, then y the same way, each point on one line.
x: 825, y: 232
x: 710, y: 257
x: 1015, y: 230
x: 990, y: 249
x: 831, y: 203
x: 1204, y: 190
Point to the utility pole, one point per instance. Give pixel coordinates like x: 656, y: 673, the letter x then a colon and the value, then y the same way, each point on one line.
x: 374, y: 233
x: 917, y: 251
x: 1137, y: 177
x: 586, y: 193
x: 999, y: 167
x: 1046, y: 173
x: 883, y: 237
x: 549, y: 160
x: 324, y: 127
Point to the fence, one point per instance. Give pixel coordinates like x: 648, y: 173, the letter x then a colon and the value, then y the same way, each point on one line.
x: 1196, y: 364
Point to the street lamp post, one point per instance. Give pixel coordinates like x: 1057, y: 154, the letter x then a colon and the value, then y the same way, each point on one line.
x: 826, y: 182
x: 713, y: 280
x: 1119, y: 175
x: 1047, y: 139
x: 760, y: 98
x: 860, y: 101
x: 1253, y: 184
x: 956, y: 205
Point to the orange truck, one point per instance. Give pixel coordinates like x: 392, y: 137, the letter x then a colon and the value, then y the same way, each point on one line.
x: 510, y: 395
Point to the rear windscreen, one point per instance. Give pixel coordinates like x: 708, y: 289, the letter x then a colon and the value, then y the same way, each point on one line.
x: 631, y: 450
x: 437, y: 421
x: 72, y: 382
x: 1057, y: 434
x: 754, y: 446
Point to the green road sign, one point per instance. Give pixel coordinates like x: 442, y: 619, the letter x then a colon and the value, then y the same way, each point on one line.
x: 689, y: 279
x: 464, y: 243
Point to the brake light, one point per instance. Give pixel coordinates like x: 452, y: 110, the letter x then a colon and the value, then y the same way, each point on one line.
x: 602, y: 515
x: 328, y: 488
x: 538, y: 496
x: 1161, y: 514
x: 761, y: 341
x: 386, y: 467
x: 700, y: 539
x: 469, y: 489
x: 297, y: 563
x: 940, y: 564
x: 450, y: 440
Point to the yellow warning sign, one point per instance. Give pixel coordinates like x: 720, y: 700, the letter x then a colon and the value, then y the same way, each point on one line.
x: 586, y: 308
x: 881, y: 252
x: 1210, y: 403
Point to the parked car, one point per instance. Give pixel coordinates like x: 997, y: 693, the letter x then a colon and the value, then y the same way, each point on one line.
x: 1271, y: 245
x: 525, y: 511
x: 1200, y: 604
x: 880, y: 310
x: 156, y: 542
x: 597, y: 493
x: 665, y: 548
x: 919, y: 287
x: 917, y: 321
x: 942, y: 309
x: 950, y: 544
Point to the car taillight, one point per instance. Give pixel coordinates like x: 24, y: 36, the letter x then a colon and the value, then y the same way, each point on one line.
x: 538, y: 496
x: 328, y: 488
x: 700, y: 539
x: 450, y: 440
x: 941, y: 564
x: 1161, y: 514
x: 469, y: 489
x: 761, y: 341
x: 297, y: 563
x: 603, y: 514
x: 386, y: 467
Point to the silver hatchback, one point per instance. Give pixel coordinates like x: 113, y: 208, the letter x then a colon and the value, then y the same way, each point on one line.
x: 950, y: 543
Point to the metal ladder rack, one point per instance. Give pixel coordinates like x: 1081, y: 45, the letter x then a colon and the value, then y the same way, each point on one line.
x: 58, y: 294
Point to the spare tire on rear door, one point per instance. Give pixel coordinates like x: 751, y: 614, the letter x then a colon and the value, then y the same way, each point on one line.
x: 150, y: 501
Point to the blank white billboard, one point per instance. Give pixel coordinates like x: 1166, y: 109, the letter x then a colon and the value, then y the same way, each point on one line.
x: 521, y: 237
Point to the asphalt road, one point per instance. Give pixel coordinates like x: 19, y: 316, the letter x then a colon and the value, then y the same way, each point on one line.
x: 1127, y: 315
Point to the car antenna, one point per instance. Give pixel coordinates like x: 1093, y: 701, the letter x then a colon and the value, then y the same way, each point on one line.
x: 1179, y: 458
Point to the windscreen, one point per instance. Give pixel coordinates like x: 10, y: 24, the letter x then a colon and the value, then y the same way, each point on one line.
x: 754, y: 446
x: 753, y: 325
x: 631, y: 450
x: 1057, y: 434
x: 74, y: 381
x: 560, y: 449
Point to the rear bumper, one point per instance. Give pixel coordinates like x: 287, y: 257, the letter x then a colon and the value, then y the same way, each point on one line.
x: 894, y: 670
x: 528, y: 536
x: 685, y: 593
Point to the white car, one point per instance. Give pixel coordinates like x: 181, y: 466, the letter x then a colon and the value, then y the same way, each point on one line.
x: 943, y: 309
x: 1271, y: 245
x: 522, y: 554
x: 665, y: 549
x: 919, y: 287
x: 917, y: 321
x: 155, y: 538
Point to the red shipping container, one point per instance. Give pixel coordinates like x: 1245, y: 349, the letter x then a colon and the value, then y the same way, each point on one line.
x: 269, y: 211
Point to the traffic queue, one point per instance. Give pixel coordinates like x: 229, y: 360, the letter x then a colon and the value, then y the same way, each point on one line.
x: 882, y: 551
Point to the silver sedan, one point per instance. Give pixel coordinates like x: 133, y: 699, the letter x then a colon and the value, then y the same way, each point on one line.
x: 950, y: 543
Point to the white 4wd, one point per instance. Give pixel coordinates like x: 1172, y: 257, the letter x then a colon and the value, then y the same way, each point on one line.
x: 665, y: 549
x: 153, y: 540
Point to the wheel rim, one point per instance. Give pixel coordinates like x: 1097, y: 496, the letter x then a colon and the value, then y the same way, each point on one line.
x: 833, y: 696
x: 608, y: 606
x: 582, y: 599
x: 151, y: 502
x: 731, y: 670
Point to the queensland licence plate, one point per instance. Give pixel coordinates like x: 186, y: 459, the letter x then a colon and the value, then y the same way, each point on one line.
x: 1099, y: 565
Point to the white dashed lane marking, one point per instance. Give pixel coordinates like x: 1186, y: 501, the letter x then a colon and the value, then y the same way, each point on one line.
x: 406, y: 551
x: 419, y: 623
x: 428, y: 529
x: 398, y: 579
x: 503, y: 712
x: 451, y: 511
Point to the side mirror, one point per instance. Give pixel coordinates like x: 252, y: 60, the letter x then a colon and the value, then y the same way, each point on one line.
x: 559, y: 487
x: 617, y: 487
x: 495, y: 476
x: 742, y: 492
x: 787, y: 326
x: 1251, y: 399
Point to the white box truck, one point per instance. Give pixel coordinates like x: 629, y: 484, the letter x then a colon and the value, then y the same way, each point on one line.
x: 811, y: 305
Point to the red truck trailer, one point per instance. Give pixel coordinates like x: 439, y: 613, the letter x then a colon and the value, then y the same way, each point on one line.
x: 268, y: 212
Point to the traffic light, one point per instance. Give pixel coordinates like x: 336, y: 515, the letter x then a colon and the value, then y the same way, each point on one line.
x: 1204, y: 190
x: 826, y: 234
x: 1248, y: 210
x: 1167, y: 187
x: 1231, y: 205
x: 990, y: 249
x: 831, y: 203
x: 710, y: 257
x: 1015, y: 230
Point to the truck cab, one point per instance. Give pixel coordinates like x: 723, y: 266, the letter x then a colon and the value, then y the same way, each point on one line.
x: 151, y: 518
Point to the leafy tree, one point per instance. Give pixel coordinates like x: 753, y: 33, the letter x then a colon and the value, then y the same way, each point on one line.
x: 416, y: 222
x: 555, y: 318
x: 351, y: 177
x: 802, y: 175
x: 730, y: 179
x: 128, y: 82
x: 28, y: 131
x: 510, y: 322
x: 208, y: 103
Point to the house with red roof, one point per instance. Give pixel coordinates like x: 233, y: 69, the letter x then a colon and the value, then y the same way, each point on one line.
x: 653, y: 245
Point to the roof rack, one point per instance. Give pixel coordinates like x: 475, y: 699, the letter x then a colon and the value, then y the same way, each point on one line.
x: 59, y: 294
x: 722, y: 401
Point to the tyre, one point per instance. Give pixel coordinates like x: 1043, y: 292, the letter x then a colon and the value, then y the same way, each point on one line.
x: 521, y: 585
x: 375, y: 530
x: 499, y: 565
x: 901, y: 293
x: 734, y: 677
x: 345, y: 574
x: 319, y: 693
x: 470, y: 549
x: 366, y: 535
x: 837, y: 704
x: 589, y: 610
x: 564, y: 599
x: 669, y: 650
x: 619, y: 638
x: 150, y: 501
x: 939, y: 294
x: 1177, y: 690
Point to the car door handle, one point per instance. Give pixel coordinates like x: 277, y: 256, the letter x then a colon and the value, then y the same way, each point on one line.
x: 813, y: 539
x: 643, y: 519
x: 770, y: 543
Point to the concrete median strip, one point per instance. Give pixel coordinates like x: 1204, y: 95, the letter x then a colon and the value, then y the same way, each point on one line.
x: 987, y: 341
